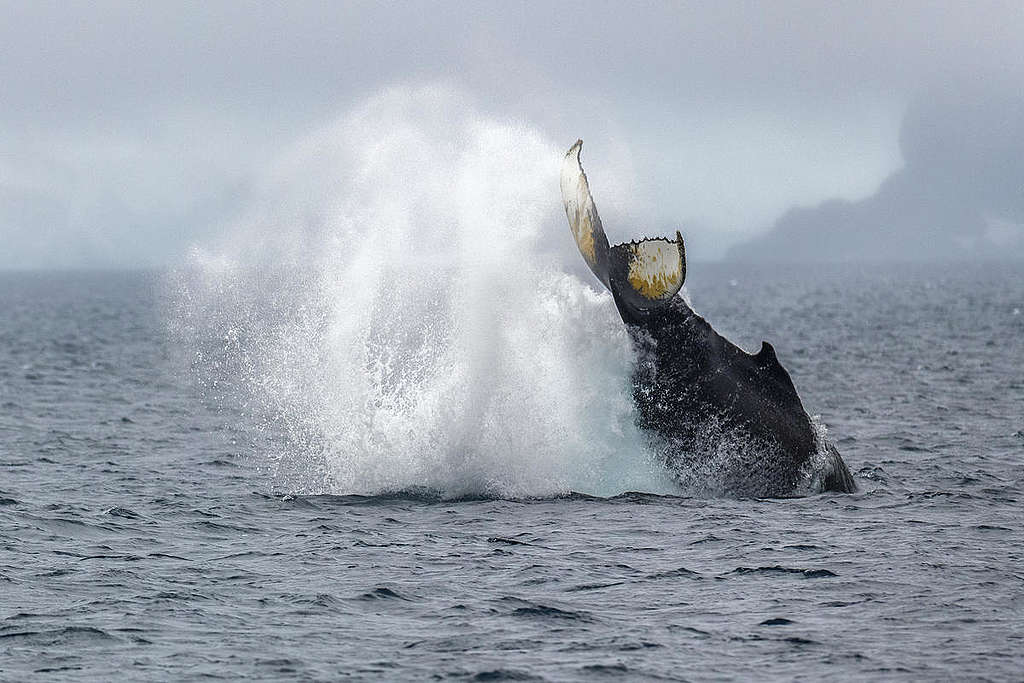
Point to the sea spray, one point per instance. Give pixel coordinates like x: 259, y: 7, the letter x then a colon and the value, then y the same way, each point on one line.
x: 390, y: 316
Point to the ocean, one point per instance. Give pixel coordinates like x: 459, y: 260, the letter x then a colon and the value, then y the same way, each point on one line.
x: 194, y: 496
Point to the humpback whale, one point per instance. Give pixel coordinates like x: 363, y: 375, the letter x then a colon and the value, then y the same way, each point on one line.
x: 710, y: 409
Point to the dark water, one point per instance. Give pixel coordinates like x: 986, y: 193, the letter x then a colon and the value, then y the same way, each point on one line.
x: 140, y: 537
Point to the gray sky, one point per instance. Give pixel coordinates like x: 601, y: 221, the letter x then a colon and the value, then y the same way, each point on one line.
x: 129, y: 129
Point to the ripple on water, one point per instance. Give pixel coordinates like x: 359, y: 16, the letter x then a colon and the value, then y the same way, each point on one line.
x: 777, y: 570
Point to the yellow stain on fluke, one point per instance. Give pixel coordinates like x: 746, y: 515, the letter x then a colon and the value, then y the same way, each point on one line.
x: 655, y: 269
x: 585, y: 239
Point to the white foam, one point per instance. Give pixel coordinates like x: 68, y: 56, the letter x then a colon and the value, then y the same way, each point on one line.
x: 396, y: 318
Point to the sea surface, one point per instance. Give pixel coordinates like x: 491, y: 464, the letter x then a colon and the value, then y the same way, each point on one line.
x: 144, y: 534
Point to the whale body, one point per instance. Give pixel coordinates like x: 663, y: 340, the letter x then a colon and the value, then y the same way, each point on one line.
x: 712, y: 411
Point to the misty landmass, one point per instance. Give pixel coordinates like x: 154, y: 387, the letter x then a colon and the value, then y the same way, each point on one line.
x: 959, y: 194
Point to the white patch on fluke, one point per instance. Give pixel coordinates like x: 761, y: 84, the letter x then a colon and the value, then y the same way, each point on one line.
x: 655, y: 268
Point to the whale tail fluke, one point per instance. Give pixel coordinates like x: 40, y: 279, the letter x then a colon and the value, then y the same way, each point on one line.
x: 584, y: 222
x: 641, y: 275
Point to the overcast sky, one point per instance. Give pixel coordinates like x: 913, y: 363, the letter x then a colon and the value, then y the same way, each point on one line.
x: 128, y: 130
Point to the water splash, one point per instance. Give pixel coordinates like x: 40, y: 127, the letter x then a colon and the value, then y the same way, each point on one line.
x: 391, y: 316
